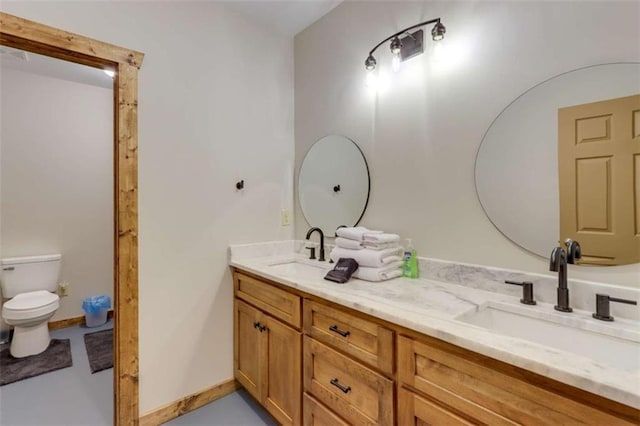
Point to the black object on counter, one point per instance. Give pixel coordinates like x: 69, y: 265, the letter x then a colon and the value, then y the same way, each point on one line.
x: 341, y: 273
x: 527, y: 291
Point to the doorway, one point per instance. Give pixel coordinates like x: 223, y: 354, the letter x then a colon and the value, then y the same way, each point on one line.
x: 33, y: 37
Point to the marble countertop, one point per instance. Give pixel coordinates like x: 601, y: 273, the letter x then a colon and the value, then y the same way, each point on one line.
x: 431, y: 307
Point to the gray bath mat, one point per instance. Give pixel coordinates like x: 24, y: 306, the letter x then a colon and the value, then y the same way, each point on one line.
x: 99, y: 349
x: 55, y: 357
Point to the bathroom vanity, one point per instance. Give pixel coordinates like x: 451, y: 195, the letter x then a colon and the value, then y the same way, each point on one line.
x: 403, y: 352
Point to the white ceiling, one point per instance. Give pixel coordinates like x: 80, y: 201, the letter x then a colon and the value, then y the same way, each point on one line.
x: 286, y: 17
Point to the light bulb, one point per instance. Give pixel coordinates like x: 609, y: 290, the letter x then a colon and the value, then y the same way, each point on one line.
x: 395, y: 46
x: 370, y: 63
x: 110, y: 73
x: 437, y: 33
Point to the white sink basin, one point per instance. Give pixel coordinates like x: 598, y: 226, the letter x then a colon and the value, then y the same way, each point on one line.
x: 296, y: 268
x: 620, y: 353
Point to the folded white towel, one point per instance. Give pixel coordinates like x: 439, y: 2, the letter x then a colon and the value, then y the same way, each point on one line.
x: 348, y: 244
x: 382, y: 238
x: 379, y: 246
x: 366, y: 257
x: 386, y: 272
x: 357, y: 233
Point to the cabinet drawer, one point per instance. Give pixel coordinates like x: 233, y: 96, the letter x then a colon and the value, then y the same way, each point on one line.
x: 415, y: 410
x: 465, y: 382
x: 363, y: 339
x: 316, y: 414
x: 276, y: 302
x: 353, y: 391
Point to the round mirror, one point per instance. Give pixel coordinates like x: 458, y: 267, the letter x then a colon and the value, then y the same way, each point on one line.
x: 333, y: 186
x: 561, y: 160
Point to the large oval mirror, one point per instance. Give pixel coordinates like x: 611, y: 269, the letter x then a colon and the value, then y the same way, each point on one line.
x: 333, y: 186
x: 563, y: 161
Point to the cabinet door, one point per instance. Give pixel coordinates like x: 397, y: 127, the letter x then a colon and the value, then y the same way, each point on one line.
x: 282, y: 387
x: 315, y: 414
x: 248, y: 348
x: 414, y: 410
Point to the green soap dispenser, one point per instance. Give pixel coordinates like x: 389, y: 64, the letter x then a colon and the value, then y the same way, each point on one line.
x: 410, y: 261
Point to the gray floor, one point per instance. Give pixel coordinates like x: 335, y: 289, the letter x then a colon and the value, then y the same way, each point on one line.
x: 236, y: 409
x: 71, y: 396
x: 74, y: 396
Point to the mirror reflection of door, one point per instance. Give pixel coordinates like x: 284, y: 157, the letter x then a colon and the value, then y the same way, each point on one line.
x: 599, y: 150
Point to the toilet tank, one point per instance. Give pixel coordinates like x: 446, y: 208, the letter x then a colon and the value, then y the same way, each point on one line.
x: 30, y: 273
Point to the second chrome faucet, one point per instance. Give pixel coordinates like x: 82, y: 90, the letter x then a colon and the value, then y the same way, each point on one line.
x: 558, y: 263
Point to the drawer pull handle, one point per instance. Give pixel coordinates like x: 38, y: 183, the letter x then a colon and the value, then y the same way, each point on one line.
x: 259, y: 326
x: 336, y: 383
x: 335, y: 329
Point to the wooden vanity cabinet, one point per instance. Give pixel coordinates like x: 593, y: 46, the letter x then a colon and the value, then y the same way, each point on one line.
x: 447, y: 381
x: 356, y: 369
x: 267, y: 351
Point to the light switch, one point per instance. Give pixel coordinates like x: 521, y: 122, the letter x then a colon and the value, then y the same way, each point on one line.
x: 285, y: 217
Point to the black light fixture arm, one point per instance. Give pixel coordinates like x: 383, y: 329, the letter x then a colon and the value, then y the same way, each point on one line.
x: 431, y: 21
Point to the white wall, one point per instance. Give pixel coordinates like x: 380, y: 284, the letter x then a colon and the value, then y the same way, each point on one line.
x: 56, y: 139
x: 420, y: 135
x: 215, y: 106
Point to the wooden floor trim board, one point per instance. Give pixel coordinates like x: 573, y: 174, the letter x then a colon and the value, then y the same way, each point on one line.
x: 188, y: 403
x: 70, y: 322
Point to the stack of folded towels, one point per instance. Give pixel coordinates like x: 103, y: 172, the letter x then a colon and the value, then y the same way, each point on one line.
x: 378, y: 254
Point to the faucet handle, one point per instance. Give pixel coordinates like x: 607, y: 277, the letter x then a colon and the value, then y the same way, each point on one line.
x: 527, y: 291
x: 574, y: 252
x: 603, y: 310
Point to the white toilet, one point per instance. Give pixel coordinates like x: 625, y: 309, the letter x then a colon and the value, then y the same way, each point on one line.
x: 30, y: 283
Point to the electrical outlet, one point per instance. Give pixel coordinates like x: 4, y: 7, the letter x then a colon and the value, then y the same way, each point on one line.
x: 63, y: 289
x: 285, y: 217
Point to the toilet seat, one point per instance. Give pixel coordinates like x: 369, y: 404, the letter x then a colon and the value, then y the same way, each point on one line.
x: 30, y: 305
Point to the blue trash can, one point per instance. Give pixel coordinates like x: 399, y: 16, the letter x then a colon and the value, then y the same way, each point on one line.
x: 95, y: 310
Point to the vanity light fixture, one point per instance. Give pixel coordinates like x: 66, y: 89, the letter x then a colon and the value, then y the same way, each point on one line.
x: 406, y: 47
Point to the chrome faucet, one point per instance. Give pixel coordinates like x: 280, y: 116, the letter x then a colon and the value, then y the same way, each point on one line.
x: 558, y: 263
x: 311, y: 231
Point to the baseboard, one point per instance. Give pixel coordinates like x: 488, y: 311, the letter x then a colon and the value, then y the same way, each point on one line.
x: 188, y: 403
x: 70, y: 322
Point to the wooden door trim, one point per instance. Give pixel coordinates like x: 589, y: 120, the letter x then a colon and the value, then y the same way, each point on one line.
x: 45, y: 40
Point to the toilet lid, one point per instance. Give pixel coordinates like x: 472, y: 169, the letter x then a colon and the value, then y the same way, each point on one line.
x: 31, y: 300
